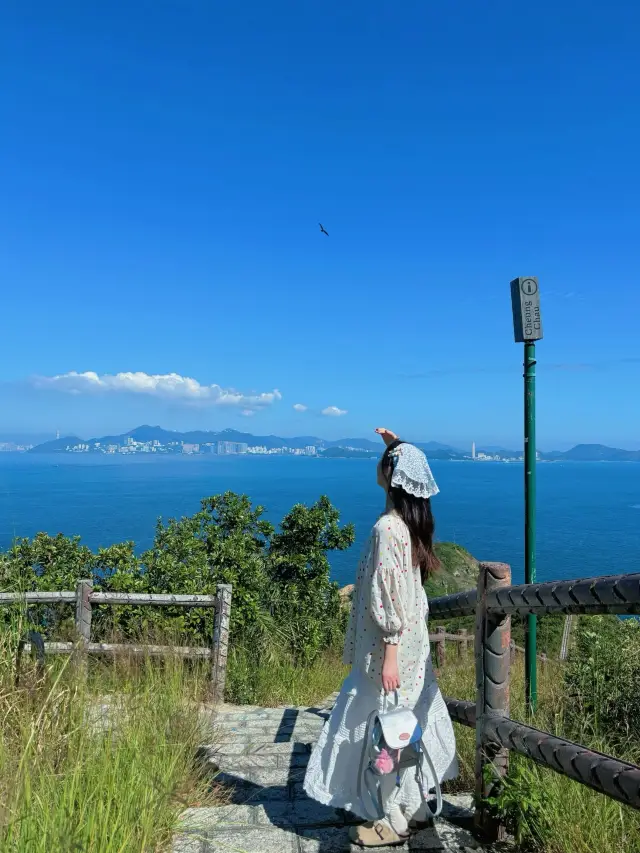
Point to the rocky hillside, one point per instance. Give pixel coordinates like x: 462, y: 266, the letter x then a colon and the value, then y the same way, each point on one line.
x: 458, y: 570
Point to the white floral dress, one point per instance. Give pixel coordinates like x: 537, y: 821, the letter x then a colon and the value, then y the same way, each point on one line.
x: 389, y: 606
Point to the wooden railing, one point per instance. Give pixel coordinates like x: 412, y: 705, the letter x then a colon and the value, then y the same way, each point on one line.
x: 493, y: 603
x: 84, y: 598
x: 462, y: 639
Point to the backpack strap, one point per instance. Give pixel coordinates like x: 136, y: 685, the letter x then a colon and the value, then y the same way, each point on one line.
x: 427, y: 758
x: 365, y: 774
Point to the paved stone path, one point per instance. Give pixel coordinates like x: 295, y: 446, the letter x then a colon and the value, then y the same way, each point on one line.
x: 260, y: 755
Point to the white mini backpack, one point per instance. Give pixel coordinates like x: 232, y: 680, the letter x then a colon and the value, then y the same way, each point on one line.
x: 393, y: 744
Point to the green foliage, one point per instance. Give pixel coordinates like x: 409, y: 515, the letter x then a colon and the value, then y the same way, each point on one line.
x: 549, y: 632
x: 227, y: 541
x: 45, y: 563
x: 277, y: 678
x: 550, y: 813
x: 307, y: 603
x: 602, y: 678
x: 81, y: 773
x: 280, y: 579
x: 521, y: 806
x: 547, y: 811
x: 458, y: 570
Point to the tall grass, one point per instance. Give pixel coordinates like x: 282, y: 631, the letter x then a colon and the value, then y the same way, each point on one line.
x: 81, y: 771
x: 272, y: 677
x: 547, y: 811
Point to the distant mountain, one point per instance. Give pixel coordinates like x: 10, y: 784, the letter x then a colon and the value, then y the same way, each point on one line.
x: 596, y: 453
x: 147, y: 433
x: 358, y: 443
x: 434, y: 449
x: 350, y: 452
x: 58, y: 445
x: 439, y: 453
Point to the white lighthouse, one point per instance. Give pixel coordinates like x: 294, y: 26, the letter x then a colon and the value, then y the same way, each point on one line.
x: 473, y: 450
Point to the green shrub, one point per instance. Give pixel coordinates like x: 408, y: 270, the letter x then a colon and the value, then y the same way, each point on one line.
x: 282, y: 590
x: 602, y: 678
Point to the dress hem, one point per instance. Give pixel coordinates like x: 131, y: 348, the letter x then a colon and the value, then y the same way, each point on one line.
x: 323, y: 797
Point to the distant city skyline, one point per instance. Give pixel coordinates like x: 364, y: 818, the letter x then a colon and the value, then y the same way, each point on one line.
x: 210, y: 442
x: 166, y: 168
x: 154, y: 441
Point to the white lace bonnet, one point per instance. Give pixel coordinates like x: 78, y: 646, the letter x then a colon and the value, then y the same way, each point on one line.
x: 411, y: 471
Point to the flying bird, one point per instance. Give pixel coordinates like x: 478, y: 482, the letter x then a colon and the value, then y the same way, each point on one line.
x: 322, y: 231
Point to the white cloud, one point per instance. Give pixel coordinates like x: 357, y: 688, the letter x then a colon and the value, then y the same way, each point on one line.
x: 168, y: 386
x: 300, y: 407
x: 333, y: 412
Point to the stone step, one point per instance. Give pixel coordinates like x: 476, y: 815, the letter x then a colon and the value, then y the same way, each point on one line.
x: 303, y: 826
x: 259, y: 756
x: 247, y: 756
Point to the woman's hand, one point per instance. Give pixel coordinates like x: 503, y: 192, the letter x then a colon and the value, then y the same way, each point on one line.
x: 390, y: 674
x: 387, y: 436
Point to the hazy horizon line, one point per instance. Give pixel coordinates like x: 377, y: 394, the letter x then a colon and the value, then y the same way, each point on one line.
x: 20, y: 436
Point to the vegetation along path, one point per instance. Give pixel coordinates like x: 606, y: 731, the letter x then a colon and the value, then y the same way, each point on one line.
x: 259, y: 758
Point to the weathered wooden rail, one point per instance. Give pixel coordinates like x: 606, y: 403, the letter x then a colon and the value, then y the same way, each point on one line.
x: 462, y: 639
x: 84, y: 597
x: 494, y: 602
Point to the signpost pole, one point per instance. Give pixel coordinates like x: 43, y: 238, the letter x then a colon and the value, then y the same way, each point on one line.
x: 527, y: 327
x: 531, y: 679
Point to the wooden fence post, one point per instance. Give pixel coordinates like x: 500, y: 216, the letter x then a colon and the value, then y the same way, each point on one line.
x: 463, y: 643
x: 493, y: 639
x: 84, y: 589
x: 440, y: 647
x: 513, y: 651
x: 566, y: 635
x: 220, y: 645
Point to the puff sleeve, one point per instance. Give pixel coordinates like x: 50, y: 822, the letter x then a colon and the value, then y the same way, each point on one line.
x: 388, y: 587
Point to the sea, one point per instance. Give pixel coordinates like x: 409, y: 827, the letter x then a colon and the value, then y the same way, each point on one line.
x: 588, y: 514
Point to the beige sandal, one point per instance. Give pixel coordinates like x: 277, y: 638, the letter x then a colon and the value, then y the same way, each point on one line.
x: 376, y: 834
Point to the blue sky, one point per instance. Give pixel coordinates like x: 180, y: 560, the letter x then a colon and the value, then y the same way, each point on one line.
x: 165, y: 166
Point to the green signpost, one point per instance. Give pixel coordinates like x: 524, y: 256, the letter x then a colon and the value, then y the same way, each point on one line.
x: 527, y: 325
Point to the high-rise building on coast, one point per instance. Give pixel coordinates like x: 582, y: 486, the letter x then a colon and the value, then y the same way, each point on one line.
x: 228, y: 447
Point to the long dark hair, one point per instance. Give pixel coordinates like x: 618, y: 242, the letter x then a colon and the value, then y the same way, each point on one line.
x: 416, y: 514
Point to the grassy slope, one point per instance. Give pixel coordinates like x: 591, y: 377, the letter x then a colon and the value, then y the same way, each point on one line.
x: 73, y: 779
x: 458, y: 570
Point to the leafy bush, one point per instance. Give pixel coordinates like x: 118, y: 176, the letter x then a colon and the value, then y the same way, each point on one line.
x: 522, y: 806
x: 281, y: 585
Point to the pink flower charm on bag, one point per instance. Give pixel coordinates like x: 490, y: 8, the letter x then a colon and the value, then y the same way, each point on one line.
x: 384, y: 762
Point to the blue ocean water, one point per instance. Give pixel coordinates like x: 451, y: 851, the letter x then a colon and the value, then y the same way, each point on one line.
x: 588, y: 513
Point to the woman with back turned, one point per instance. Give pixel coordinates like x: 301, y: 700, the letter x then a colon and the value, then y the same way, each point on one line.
x: 387, y: 647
